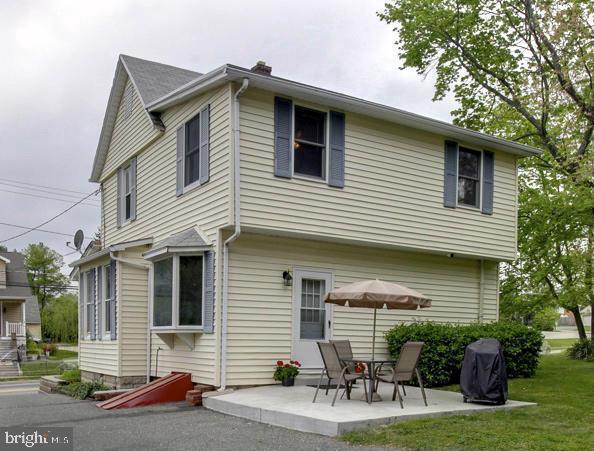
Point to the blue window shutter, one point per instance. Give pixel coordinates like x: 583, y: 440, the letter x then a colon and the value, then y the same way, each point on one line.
x: 488, y: 181
x: 337, y: 149
x: 179, y: 160
x: 204, y: 144
x: 133, y: 189
x: 92, y: 287
x: 209, y: 295
x: 283, y: 123
x: 81, y: 304
x: 119, y: 197
x: 112, y: 304
x: 450, y: 179
x: 99, y: 302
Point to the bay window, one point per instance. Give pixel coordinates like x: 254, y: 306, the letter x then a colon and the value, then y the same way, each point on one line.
x: 178, y: 291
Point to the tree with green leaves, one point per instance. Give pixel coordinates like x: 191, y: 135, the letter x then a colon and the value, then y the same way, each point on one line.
x: 44, y: 266
x: 523, y: 70
x: 3, y: 248
x: 59, y: 320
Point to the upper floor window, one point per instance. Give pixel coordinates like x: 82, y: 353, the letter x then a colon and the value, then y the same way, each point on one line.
x: 127, y: 193
x: 178, y: 291
x: 310, y: 143
x: 192, y: 154
x: 469, y: 177
x: 126, y: 199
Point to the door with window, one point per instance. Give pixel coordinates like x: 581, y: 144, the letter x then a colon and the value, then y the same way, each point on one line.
x: 312, y: 317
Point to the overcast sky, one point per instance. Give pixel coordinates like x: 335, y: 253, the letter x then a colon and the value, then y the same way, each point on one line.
x: 59, y: 58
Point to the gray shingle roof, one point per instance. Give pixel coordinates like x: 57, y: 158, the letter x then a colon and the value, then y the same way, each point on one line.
x: 154, y: 80
x: 17, y: 283
x: 187, y: 238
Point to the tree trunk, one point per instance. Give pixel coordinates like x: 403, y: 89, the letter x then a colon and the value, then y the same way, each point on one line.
x: 578, y: 322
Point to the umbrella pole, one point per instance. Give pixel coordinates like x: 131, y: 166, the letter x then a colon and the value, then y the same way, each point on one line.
x: 373, y: 342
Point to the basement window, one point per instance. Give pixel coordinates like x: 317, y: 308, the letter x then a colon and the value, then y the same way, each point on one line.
x: 178, y: 291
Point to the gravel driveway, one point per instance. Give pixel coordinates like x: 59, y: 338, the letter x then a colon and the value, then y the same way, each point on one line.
x: 170, y: 427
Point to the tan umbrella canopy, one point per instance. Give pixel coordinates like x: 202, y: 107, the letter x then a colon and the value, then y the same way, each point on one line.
x: 377, y: 294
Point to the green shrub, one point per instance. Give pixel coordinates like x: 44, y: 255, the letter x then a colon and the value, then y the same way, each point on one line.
x: 445, y: 344
x: 545, y: 319
x: 83, y: 390
x: 32, y: 348
x: 72, y: 375
x: 581, y: 350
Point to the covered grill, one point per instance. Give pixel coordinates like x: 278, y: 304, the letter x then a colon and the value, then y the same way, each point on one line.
x: 483, y: 377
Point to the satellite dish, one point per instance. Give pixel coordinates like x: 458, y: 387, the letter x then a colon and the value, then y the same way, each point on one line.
x: 79, y: 237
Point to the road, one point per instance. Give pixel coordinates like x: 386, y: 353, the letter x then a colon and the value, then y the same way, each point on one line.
x: 171, y: 426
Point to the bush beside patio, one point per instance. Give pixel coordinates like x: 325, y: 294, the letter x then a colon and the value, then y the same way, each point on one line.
x: 443, y: 353
x: 563, y: 419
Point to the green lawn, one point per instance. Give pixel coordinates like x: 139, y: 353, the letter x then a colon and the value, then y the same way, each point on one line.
x: 41, y: 367
x: 62, y: 354
x: 561, y: 342
x: 563, y: 419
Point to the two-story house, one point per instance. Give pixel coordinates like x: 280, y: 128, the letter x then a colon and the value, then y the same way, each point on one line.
x: 234, y: 200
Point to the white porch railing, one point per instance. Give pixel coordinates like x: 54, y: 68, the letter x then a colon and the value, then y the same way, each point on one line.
x: 17, y: 328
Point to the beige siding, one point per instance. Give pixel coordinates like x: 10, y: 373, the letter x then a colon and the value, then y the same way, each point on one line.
x: 200, y: 361
x: 160, y: 212
x: 14, y: 312
x: 2, y: 274
x: 393, y: 194
x: 99, y: 356
x: 133, y: 303
x: 130, y: 134
x: 260, y: 315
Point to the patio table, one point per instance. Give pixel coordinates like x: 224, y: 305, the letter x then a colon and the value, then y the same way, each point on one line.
x: 371, y: 363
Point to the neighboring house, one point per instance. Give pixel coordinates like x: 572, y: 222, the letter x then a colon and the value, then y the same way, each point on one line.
x: 234, y: 200
x: 19, y: 309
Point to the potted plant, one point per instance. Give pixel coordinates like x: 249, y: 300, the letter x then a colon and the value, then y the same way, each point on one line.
x: 286, y: 372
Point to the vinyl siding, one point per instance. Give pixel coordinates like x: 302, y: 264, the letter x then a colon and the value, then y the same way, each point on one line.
x: 129, y: 135
x: 100, y: 356
x: 260, y: 306
x: 133, y: 304
x: 393, y: 193
x: 160, y: 213
x: 14, y: 312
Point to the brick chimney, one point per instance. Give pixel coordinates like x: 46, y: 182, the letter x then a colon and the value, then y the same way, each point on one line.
x: 261, y: 68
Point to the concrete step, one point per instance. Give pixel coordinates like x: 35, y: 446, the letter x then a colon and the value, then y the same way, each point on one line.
x: 50, y: 384
x: 9, y: 369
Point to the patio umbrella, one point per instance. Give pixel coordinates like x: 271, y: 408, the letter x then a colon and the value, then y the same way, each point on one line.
x: 377, y: 294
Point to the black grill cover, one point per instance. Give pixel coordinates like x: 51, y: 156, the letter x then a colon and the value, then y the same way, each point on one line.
x: 483, y: 377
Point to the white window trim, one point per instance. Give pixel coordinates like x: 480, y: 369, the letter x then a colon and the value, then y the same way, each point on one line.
x: 326, y: 111
x: 105, y: 334
x: 481, y: 179
x: 87, y: 331
x: 196, y: 183
x: 175, y: 326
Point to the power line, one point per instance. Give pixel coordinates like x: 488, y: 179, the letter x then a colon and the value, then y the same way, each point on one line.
x: 39, y: 230
x: 71, y: 197
x: 41, y: 186
x: 45, y: 197
x: 52, y: 218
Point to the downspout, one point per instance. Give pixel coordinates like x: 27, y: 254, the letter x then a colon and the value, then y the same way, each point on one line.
x: 236, y: 233
x: 481, y: 290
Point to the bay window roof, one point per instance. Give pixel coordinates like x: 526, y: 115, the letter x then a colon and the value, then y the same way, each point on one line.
x: 189, y: 240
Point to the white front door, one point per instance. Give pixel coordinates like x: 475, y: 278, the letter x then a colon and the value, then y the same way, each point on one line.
x: 312, y: 317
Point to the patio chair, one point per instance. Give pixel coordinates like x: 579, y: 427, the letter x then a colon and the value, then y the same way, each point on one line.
x: 336, y: 370
x: 405, y: 369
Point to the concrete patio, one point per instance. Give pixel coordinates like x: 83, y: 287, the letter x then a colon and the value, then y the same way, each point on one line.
x: 292, y: 407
